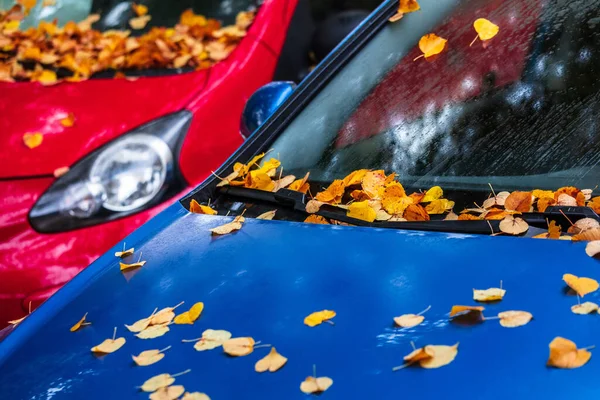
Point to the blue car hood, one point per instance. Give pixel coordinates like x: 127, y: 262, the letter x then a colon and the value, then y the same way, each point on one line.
x: 263, y: 280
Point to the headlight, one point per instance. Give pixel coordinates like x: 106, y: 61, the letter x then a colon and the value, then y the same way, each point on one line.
x: 134, y: 172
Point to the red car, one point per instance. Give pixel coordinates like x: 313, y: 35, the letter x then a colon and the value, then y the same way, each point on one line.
x: 135, y: 145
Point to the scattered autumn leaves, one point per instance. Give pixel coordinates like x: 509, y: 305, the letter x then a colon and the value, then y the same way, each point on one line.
x: 74, y: 52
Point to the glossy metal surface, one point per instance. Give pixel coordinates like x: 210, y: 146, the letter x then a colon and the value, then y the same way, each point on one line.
x: 263, y: 104
x: 263, y: 280
x: 33, y: 265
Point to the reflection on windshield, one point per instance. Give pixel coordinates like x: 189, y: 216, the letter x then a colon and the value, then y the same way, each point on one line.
x: 519, y: 111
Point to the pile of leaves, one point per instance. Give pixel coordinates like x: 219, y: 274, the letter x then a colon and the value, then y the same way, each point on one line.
x: 75, y: 51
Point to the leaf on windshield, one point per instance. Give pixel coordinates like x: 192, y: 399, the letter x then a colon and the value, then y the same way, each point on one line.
x: 514, y: 319
x: 513, y: 226
x: 109, y: 345
x: 149, y: 357
x: 581, y: 286
x: 565, y: 354
x: 431, y: 45
x: 373, y: 183
x: 68, y: 121
x: 553, y: 232
x: 82, y: 322
x: 33, y: 140
x: 415, y: 212
x: 198, y: 208
x: 27, y: 5
x: 485, y: 29
x: 139, y: 22
x: 394, y: 199
x: 355, y: 177
x: 584, y: 308
x: 362, y: 210
x: 190, y: 316
x: 139, y: 9
x: 410, y: 320
x: 405, y: 7
x: 439, y: 206
x: 318, y: 317
x: 518, y: 201
x: 316, y: 219
x: 232, y: 226
x: 271, y: 362
x: 301, y: 185
x: 333, y: 194
x: 544, y: 203
x: 434, y: 193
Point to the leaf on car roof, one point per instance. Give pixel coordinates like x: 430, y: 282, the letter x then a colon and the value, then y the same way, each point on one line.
x: 149, y: 357
x: 318, y: 317
x: 430, y: 356
x: 580, y: 285
x: 485, y: 29
x: 82, y: 322
x: 229, y: 227
x: 211, y: 339
x: 565, y: 354
x: 190, y: 316
x: 109, y: 345
x: 161, y: 381
x: 431, y: 45
x: 410, y: 320
x: 271, y: 362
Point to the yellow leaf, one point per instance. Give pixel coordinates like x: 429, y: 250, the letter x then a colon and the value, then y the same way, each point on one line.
x: 33, y: 140
x: 198, y: 208
x: 405, y: 7
x: 538, y: 194
x: 564, y: 354
x: 394, y: 199
x: 234, y: 225
x: 355, y: 177
x: 491, y: 294
x: 316, y: 385
x: 124, y: 253
x: 317, y: 318
x: 271, y: 362
x: 439, y: 206
x: 153, y: 331
x: 581, y: 286
x: 125, y: 267
x: 362, y: 210
x: 476, y: 311
x: 431, y: 45
x: 241, y: 346
x: 434, y: 193
x: 45, y: 77
x: 149, y: 357
x: 109, y: 345
x: 485, y: 29
x: 410, y: 320
x: 160, y: 381
x: 211, y: 339
x: 441, y: 355
x: 139, y: 9
x: 584, y: 308
x: 373, y: 183
x: 300, y: 185
x: 333, y: 194
x: 80, y: 323
x: 68, y: 121
x: 167, y: 393
x: 269, y: 167
x: 513, y: 319
x: 189, y: 317
x: 260, y: 180
x: 195, y: 396
x: 139, y: 22
x: 269, y: 215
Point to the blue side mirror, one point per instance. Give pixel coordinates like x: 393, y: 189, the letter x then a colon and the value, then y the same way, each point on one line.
x: 262, y: 104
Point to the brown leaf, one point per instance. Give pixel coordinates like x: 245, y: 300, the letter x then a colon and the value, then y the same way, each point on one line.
x: 564, y: 354
x: 518, y: 201
x: 513, y: 226
x: 232, y: 226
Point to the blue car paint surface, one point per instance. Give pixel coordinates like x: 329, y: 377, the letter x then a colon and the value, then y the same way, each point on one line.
x: 263, y: 280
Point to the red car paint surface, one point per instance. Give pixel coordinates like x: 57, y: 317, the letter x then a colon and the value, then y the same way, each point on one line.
x: 412, y: 89
x: 34, y: 265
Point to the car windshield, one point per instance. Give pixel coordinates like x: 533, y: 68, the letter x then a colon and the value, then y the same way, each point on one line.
x: 519, y: 111
x: 115, y: 14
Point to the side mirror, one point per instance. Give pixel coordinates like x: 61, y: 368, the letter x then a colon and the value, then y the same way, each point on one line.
x: 262, y: 104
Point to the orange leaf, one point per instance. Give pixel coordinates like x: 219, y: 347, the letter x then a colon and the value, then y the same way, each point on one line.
x: 581, y: 286
x: 564, y: 354
x: 405, y: 7
x: 362, y: 210
x: 139, y: 9
x: 462, y: 310
x: 58, y: 172
x: 594, y: 204
x: 553, y: 230
x: 198, y: 208
x: 300, y: 185
x: 415, y: 212
x: 545, y: 202
x: 355, y: 177
x: 333, y: 194
x: 316, y: 219
x: 373, y: 182
x: 485, y: 29
x: 431, y: 45
x: 139, y: 22
x: 33, y: 140
x: 68, y: 121
x: 518, y: 201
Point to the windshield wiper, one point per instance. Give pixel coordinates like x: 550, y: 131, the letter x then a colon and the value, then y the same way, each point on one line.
x: 296, y: 201
x: 562, y: 215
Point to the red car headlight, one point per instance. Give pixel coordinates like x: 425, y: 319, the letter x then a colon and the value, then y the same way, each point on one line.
x: 127, y: 175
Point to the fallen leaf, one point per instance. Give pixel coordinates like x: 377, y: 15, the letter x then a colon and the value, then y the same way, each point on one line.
x: 109, y: 345
x: 432, y: 194
x: 318, y: 317
x: 439, y: 206
x: 410, y: 320
x: 198, y: 208
x: 491, y: 294
x: 584, y: 308
x: 149, y: 357
x: 139, y: 22
x: 316, y: 385
x: 195, y: 396
x: 316, y: 219
x: 300, y: 185
x: 125, y: 267
x: 441, y: 355
x: 362, y: 210
x: 592, y: 248
x: 211, y: 339
x: 355, y: 177
x: 240, y: 346
x: 394, y: 199
x: 581, y: 286
x: 513, y: 226
x: 566, y: 200
x: 451, y: 217
x: 513, y: 319
x: 333, y: 194
x: 58, y: 172
x: 544, y: 203
x: 485, y: 29
x: 269, y: 215
x: 68, y: 121
x: 587, y: 235
x: 189, y: 317
x: 153, y: 331
x: 160, y: 381
x: 33, y: 140
x: 405, y: 7
x: 164, y: 316
x: 271, y: 362
x: 125, y: 253
x: 564, y: 354
x: 553, y: 230
x: 80, y: 323
x: 431, y: 45
x: 583, y: 225
x: 373, y: 182
x: 415, y: 212
x: 284, y: 182
x: 477, y: 311
x: 518, y: 201
x: 27, y: 5
x: 167, y: 393
x: 235, y: 225
x: 139, y: 9
x: 140, y: 325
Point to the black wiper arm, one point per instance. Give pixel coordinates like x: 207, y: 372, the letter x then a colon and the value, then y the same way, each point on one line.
x: 294, y: 200
x: 561, y: 215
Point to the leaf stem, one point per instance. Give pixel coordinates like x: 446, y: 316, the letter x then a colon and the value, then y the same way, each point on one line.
x: 190, y: 340
x: 181, y: 373
x: 399, y: 367
x: 413, y: 345
x: 178, y: 305
x: 263, y: 345
x: 114, y: 333
x: 165, y: 349
x: 329, y: 322
x: 589, y: 347
x: 425, y: 310
x: 473, y: 42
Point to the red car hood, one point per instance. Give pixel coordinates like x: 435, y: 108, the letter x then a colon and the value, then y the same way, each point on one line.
x: 103, y: 109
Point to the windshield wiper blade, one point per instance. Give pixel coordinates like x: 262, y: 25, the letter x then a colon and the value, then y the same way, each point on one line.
x: 294, y: 200
x: 562, y: 215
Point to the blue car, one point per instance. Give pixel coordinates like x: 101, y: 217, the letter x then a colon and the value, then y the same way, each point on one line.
x: 517, y: 112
